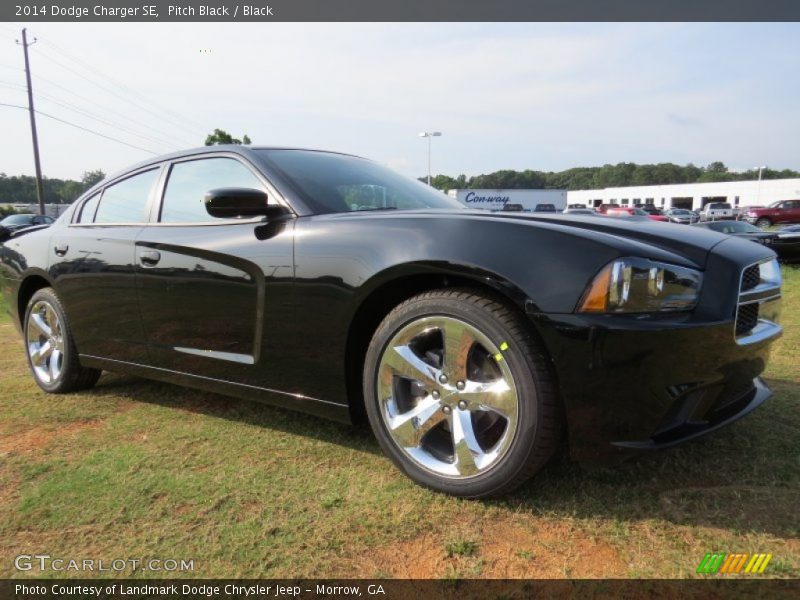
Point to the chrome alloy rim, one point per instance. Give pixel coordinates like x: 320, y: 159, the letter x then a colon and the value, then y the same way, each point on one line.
x: 447, y: 397
x: 45, y: 342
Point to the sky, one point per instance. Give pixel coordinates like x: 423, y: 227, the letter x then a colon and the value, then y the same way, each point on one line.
x: 505, y: 96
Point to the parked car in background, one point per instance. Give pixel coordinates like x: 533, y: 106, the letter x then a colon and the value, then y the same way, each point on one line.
x: 576, y: 205
x: 715, y: 211
x: 471, y: 341
x: 626, y: 211
x: 541, y: 208
x: 682, y: 215
x: 579, y: 211
x: 740, y: 212
x: 512, y: 207
x: 603, y: 208
x: 649, y: 209
x: 782, y: 211
x: 786, y: 244
x: 14, y: 222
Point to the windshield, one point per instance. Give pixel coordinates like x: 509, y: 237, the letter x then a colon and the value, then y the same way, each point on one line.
x: 719, y: 206
x: 17, y: 220
x: 335, y: 183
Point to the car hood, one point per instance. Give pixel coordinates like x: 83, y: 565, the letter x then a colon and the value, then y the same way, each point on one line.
x: 691, y: 244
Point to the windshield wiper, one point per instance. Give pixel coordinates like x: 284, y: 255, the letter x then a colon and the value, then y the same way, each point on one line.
x: 376, y: 208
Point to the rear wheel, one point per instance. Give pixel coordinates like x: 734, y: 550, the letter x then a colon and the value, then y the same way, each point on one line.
x: 51, y: 352
x: 460, y: 395
x: 763, y: 222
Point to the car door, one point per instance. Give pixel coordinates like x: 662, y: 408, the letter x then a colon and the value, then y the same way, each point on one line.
x: 211, y: 290
x: 92, y: 262
x: 793, y: 212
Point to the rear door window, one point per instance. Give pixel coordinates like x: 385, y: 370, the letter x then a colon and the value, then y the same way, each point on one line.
x: 126, y: 201
x: 88, y: 209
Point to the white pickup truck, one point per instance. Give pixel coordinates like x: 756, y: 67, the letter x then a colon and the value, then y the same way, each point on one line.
x: 714, y: 211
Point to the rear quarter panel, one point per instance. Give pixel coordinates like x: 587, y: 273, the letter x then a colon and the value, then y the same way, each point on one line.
x: 22, y: 255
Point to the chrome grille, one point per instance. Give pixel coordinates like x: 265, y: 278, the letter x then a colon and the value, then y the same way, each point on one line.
x: 746, y: 318
x: 760, y: 286
x: 750, y: 277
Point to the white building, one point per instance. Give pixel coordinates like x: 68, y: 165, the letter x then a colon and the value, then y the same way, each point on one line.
x: 693, y: 195
x: 497, y: 199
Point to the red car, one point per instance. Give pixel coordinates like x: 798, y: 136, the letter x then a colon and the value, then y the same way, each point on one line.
x: 624, y: 211
x: 604, y: 208
x: 782, y: 211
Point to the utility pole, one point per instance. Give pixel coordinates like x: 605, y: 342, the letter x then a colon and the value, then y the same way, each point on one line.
x: 32, y: 113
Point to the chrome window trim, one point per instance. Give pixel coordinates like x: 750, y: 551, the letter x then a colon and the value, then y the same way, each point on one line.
x: 79, y: 206
x: 272, y: 192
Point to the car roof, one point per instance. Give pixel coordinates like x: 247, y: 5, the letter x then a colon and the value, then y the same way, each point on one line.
x: 246, y: 151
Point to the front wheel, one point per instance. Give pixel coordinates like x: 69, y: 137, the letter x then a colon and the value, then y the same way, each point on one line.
x: 51, y: 352
x: 460, y: 395
x: 763, y: 223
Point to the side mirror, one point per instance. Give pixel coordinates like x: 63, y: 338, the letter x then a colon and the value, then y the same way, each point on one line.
x: 231, y: 203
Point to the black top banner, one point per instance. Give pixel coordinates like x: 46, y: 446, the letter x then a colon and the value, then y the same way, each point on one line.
x: 400, y: 10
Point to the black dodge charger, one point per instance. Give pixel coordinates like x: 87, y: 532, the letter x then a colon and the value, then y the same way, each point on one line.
x: 473, y: 342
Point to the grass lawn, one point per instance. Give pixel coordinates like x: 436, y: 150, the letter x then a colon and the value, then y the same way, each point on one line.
x: 134, y: 469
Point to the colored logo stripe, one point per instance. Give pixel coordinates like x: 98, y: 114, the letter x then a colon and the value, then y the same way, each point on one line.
x: 758, y: 563
x: 733, y: 563
x: 710, y: 563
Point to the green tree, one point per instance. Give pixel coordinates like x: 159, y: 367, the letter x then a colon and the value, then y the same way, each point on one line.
x: 89, y: 178
x: 220, y: 136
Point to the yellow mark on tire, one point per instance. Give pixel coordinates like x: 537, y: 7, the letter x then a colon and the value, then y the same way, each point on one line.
x: 498, y: 357
x: 504, y: 346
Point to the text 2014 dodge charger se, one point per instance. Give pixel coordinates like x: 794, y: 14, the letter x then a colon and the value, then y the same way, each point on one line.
x: 472, y: 341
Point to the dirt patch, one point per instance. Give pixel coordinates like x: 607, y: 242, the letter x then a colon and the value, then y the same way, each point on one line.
x: 503, y: 550
x: 38, y: 437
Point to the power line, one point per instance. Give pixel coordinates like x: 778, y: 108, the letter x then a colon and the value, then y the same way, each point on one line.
x: 86, y: 129
x: 114, y: 92
x: 122, y: 86
x: 85, y: 113
x: 113, y: 113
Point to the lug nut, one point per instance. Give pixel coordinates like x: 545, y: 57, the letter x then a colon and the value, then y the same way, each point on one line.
x: 460, y: 385
x: 442, y: 378
x: 435, y: 394
x: 446, y: 410
x: 462, y: 405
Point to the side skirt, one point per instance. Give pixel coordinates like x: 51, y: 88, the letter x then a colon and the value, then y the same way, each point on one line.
x: 298, y: 402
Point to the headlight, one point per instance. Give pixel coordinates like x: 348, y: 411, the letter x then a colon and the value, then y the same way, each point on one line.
x: 770, y: 272
x: 638, y: 285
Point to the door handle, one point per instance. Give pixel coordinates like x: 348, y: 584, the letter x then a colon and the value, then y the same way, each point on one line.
x: 149, y: 258
x: 61, y: 249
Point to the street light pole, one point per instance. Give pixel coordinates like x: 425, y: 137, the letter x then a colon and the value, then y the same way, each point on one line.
x: 429, y: 135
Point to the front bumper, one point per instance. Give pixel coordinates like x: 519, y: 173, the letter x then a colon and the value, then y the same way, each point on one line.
x: 633, y: 383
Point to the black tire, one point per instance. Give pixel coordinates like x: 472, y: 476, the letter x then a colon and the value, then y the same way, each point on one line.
x: 538, y: 417
x: 56, y: 374
x: 763, y: 222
